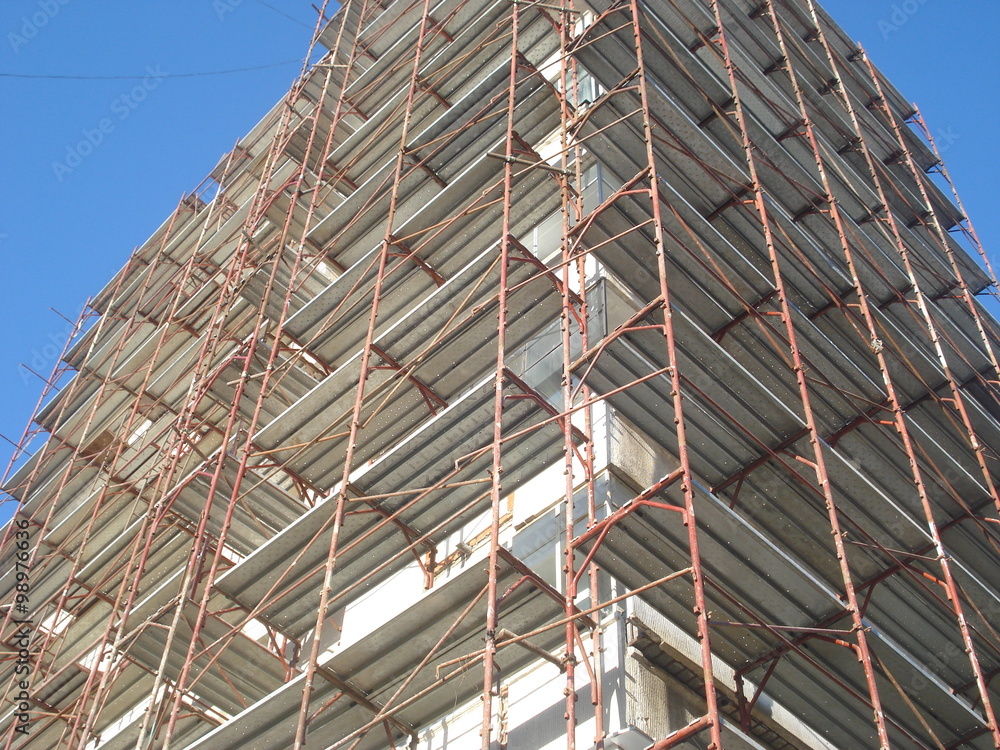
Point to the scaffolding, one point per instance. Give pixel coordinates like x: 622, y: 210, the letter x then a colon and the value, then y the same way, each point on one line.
x: 605, y: 374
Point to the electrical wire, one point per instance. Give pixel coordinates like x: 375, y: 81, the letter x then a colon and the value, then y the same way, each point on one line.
x: 141, y: 77
x: 282, y: 13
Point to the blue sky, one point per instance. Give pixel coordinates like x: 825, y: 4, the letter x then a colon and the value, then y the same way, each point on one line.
x: 69, y: 218
x: 67, y: 224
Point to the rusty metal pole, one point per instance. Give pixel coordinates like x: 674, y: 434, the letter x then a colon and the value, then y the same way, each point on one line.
x: 129, y: 586
x: 899, y: 415
x: 245, y: 450
x: 965, y: 224
x: 922, y: 303
x: 713, y: 720
x: 496, y: 485
x: 301, y: 728
x: 815, y: 439
x: 81, y: 433
x: 119, y: 450
x: 568, y: 208
x: 937, y: 230
x: 205, y: 372
x: 51, y: 383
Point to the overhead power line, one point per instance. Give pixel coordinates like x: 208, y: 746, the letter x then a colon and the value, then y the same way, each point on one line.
x: 140, y: 77
x: 282, y: 13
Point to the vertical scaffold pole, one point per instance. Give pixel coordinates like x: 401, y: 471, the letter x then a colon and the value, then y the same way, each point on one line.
x: 302, y: 723
x: 899, y: 415
x: 677, y: 398
x: 815, y: 439
x: 937, y: 231
x: 261, y: 324
x: 930, y: 326
x: 206, y: 369
x: 128, y: 589
x: 496, y: 470
x: 569, y: 156
x: 965, y: 223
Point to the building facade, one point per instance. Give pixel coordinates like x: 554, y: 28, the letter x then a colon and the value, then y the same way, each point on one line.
x: 537, y: 374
